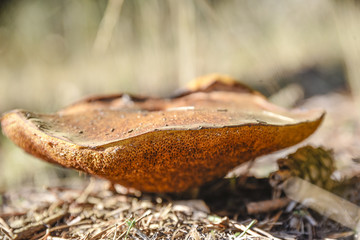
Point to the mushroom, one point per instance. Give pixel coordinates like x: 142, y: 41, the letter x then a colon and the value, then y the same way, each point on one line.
x: 162, y: 144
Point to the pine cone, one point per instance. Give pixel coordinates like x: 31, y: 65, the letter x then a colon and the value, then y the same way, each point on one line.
x: 315, y: 165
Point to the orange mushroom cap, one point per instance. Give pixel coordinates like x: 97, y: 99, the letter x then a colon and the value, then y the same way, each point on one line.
x: 162, y: 145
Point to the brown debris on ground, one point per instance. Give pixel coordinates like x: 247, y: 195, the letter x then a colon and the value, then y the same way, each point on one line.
x: 98, y: 213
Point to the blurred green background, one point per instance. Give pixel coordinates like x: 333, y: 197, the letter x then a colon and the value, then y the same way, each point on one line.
x: 53, y: 53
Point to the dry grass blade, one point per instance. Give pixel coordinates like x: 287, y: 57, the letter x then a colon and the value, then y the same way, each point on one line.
x: 107, y: 25
x: 131, y: 224
x: 247, y: 228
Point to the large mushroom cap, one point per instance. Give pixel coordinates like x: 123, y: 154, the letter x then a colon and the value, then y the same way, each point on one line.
x: 162, y: 145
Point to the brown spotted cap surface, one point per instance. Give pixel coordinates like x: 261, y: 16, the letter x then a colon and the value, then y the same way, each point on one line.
x: 162, y: 145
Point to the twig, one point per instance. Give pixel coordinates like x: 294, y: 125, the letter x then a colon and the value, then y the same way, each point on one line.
x: 13, y: 214
x: 265, y: 233
x: 86, y: 236
x: 117, y: 225
x: 273, y: 220
x: 6, y: 233
x: 147, y: 213
x: 50, y: 230
x: 27, y: 231
x: 86, y: 192
x: 5, y: 226
x: 56, y: 238
x: 267, y: 205
x: 47, y: 234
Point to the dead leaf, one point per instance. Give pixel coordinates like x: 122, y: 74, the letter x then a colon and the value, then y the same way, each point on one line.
x: 323, y: 202
x: 162, y: 145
